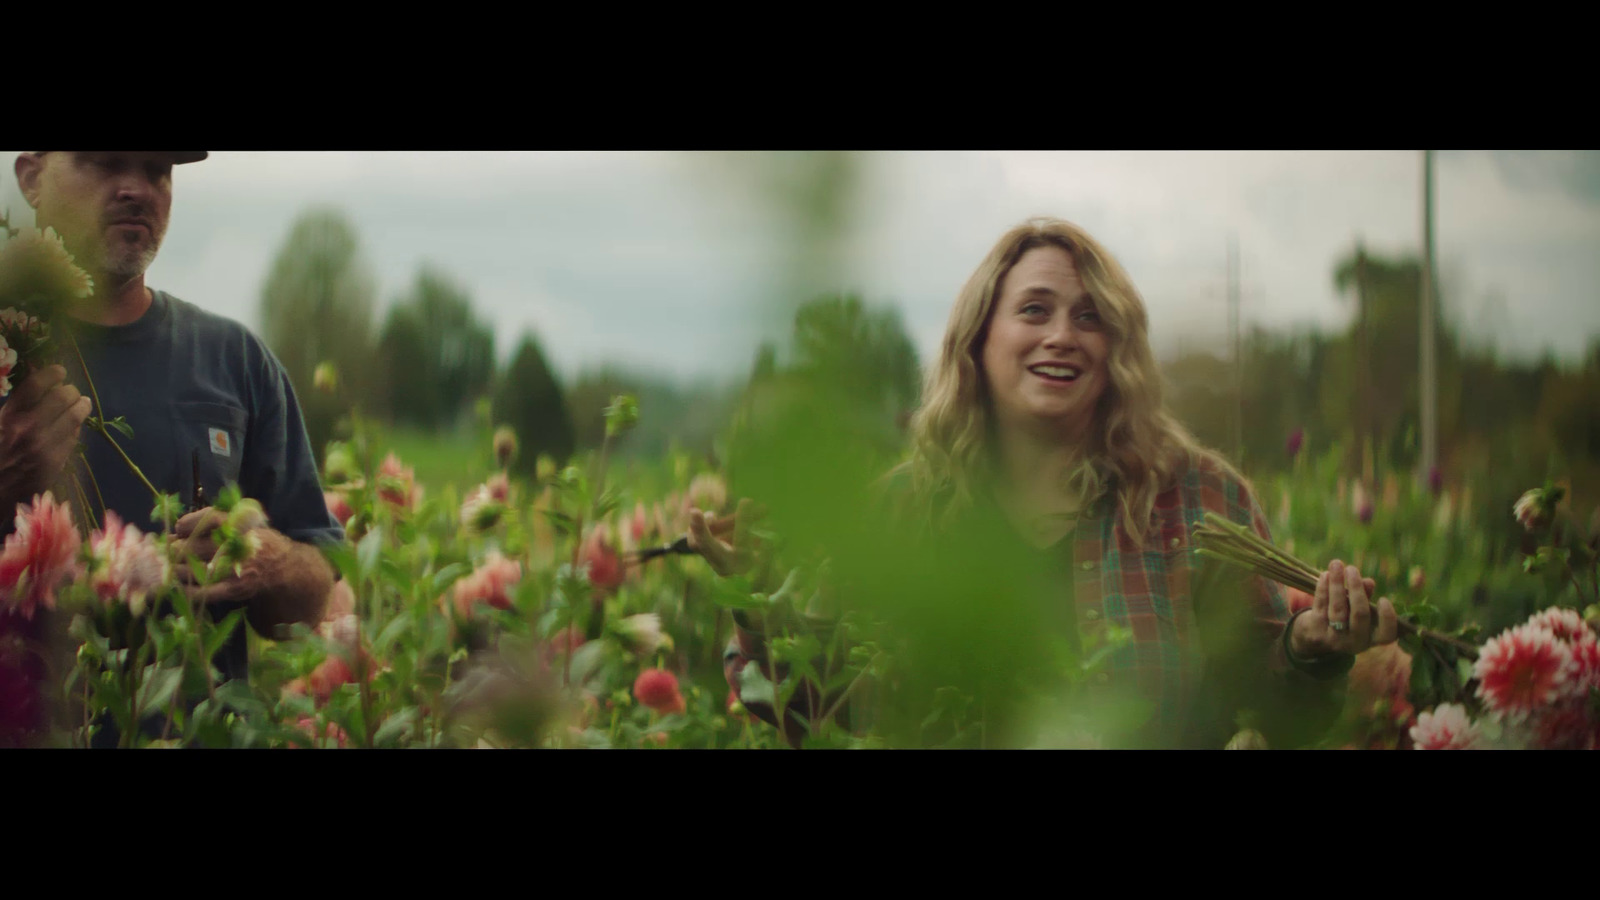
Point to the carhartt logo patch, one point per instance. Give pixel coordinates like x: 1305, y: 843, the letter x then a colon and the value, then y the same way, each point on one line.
x: 219, y: 442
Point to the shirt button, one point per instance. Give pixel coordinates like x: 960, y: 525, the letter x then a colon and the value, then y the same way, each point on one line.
x: 1174, y: 542
x: 1087, y: 565
x: 1091, y: 614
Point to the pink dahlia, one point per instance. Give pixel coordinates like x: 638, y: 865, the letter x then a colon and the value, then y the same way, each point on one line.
x: 480, y: 511
x: 490, y: 584
x: 126, y: 564
x: 328, y: 676
x: 606, y: 571
x: 1445, y: 728
x: 338, y: 507
x: 1565, y: 726
x: 397, y: 484
x: 38, y: 556
x: 1523, y: 670
x: 1570, y: 628
x: 640, y: 523
x: 8, y: 361
x: 564, y: 641
x: 658, y: 689
x: 322, y: 731
x: 1565, y: 624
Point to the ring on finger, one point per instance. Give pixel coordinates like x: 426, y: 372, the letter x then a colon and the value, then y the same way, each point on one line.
x: 1337, y: 626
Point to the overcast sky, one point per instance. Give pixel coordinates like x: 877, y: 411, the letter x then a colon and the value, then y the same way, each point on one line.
x: 665, y: 262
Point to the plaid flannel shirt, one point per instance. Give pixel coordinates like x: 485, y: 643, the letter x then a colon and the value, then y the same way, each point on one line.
x: 1169, y: 597
x: 1155, y: 592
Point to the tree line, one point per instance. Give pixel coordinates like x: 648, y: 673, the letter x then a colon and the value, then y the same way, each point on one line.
x: 431, y: 360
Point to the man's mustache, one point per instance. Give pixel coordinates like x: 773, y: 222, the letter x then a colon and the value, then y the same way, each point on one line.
x: 131, y: 211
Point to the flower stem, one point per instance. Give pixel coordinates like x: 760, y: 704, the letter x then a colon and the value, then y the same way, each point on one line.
x: 100, y: 418
x: 1238, y: 545
x: 850, y: 689
x: 93, y: 482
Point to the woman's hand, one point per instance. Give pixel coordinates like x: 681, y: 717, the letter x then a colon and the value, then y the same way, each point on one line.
x: 1341, y: 620
x: 726, y: 558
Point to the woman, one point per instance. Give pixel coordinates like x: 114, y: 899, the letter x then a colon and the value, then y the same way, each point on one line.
x: 1044, y: 413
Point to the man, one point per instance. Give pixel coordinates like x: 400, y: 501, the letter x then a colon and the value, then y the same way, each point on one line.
x: 201, y: 393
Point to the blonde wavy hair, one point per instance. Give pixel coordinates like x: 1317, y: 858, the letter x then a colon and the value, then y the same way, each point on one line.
x: 1136, y: 446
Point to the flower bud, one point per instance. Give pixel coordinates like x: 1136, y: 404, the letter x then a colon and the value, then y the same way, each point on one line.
x: 641, y: 635
x: 1536, y: 508
x: 1417, y: 580
x: 622, y: 414
x: 247, y: 515
x: 481, y: 512
x: 505, y: 445
x: 1296, y: 441
x: 325, y: 378
x: 340, y: 465
x: 499, y: 487
x: 708, y: 492
x: 1248, y: 739
x: 1361, y: 503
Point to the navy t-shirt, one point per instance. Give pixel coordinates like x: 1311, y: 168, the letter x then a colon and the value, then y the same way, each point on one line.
x: 189, y: 383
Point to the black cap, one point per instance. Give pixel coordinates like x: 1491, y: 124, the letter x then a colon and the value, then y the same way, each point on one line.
x: 179, y: 157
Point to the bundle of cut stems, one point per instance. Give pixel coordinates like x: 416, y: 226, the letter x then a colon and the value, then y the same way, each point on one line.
x: 1236, y: 544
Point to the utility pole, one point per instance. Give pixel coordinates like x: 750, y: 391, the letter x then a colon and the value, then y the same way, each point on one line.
x: 1364, y: 425
x: 1238, y: 356
x: 1430, y: 413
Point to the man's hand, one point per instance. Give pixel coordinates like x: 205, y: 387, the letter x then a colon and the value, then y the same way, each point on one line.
x: 39, y: 427
x: 192, y: 536
x: 282, y: 582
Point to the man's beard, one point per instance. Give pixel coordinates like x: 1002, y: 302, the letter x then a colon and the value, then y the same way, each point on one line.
x: 124, y: 263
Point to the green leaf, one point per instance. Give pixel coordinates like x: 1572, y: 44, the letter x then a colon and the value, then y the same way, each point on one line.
x: 397, y: 726
x: 227, y: 498
x: 563, y: 523
x: 1464, y: 670
x: 158, y: 687
x: 219, y: 635
x: 839, y: 681
x: 367, y: 553
x: 1422, y: 680
x: 237, y: 696
x: 120, y: 423
x: 391, y: 631
x: 735, y: 593
x: 447, y: 576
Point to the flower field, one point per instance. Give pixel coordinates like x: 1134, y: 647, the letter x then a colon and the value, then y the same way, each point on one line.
x: 518, y: 614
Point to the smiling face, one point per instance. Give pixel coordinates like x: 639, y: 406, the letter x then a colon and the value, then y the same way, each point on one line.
x: 110, y: 207
x: 1044, y: 356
